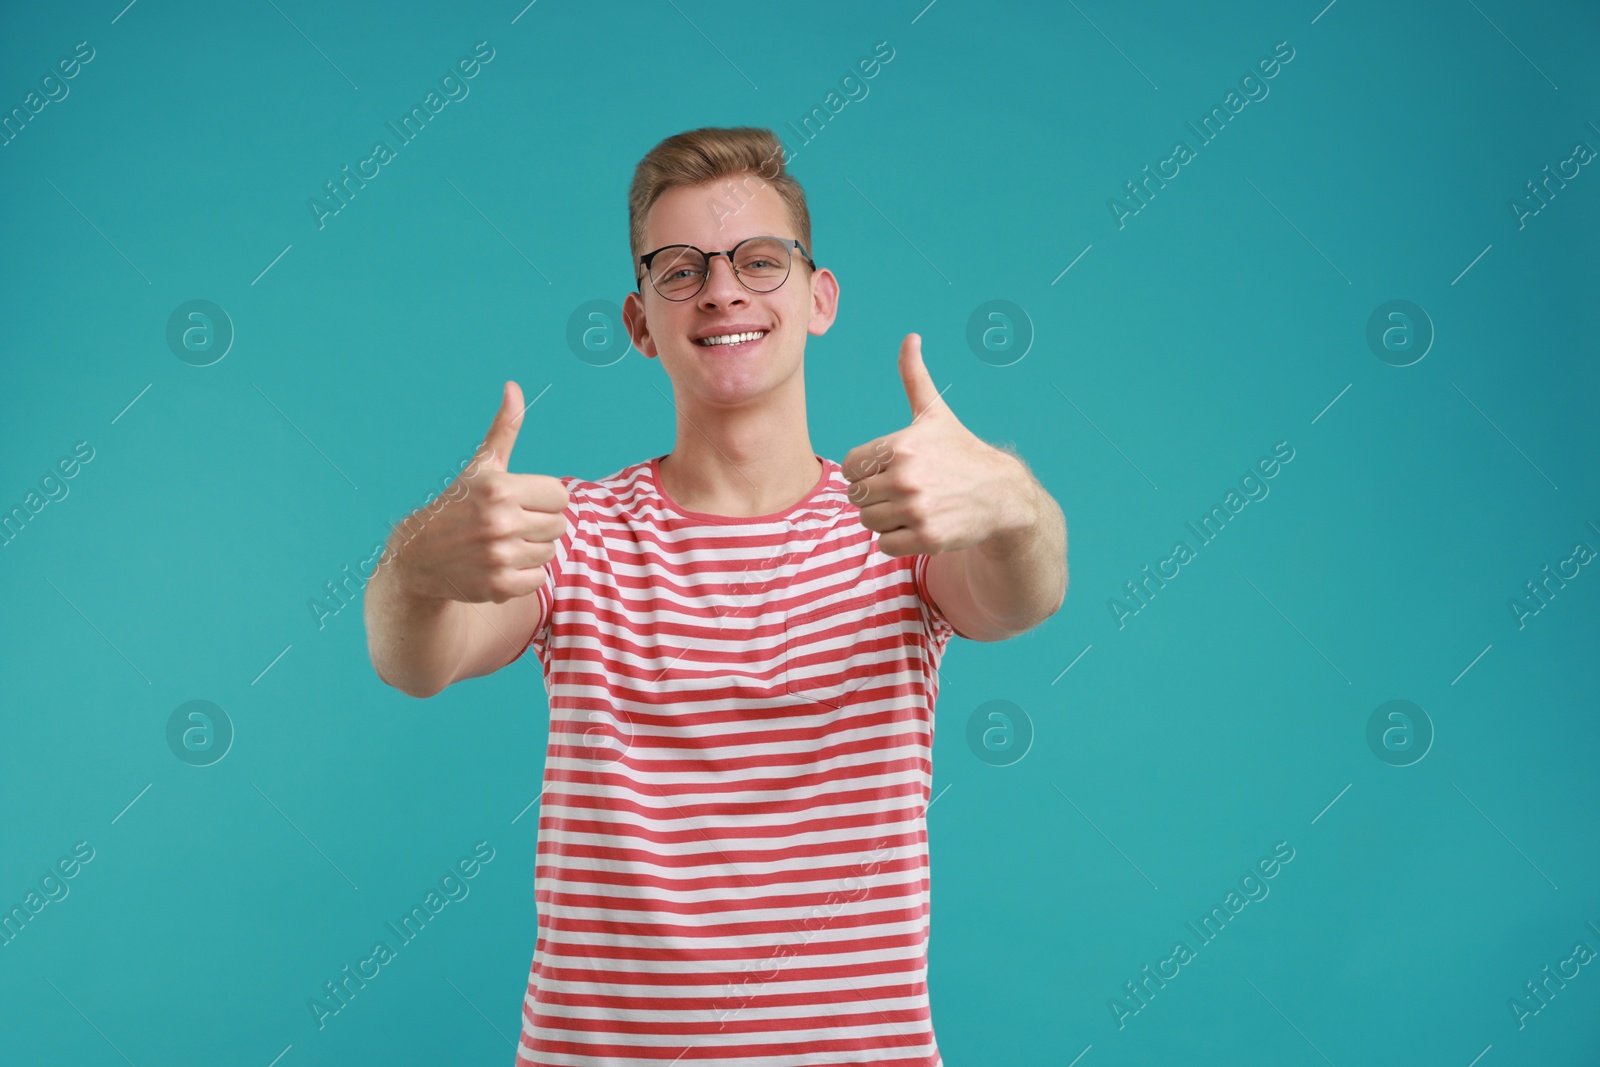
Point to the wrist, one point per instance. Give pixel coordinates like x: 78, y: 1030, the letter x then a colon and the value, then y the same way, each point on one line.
x: 411, y: 584
x: 1018, y: 510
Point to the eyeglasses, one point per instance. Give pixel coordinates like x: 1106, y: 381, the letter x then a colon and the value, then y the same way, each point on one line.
x: 761, y: 264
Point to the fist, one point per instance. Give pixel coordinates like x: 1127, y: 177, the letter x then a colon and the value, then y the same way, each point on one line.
x: 496, y: 530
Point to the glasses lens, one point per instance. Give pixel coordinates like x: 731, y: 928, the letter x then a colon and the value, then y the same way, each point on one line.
x: 762, y: 263
x: 678, y: 271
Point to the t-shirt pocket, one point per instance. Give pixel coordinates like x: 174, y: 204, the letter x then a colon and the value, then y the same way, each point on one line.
x: 831, y: 651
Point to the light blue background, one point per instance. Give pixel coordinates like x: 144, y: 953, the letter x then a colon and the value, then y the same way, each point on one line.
x: 1228, y: 715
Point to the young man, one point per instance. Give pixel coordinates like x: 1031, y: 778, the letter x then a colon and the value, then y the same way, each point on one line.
x: 740, y: 643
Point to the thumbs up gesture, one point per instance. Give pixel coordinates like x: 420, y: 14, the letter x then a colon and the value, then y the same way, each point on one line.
x: 934, y: 486
x: 491, y: 539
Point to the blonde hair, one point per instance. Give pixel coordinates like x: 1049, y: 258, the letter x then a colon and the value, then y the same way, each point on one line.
x: 709, y: 154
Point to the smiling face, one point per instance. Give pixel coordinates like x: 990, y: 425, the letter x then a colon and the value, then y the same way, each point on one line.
x: 728, y: 375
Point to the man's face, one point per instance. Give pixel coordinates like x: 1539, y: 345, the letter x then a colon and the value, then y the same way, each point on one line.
x: 715, y: 217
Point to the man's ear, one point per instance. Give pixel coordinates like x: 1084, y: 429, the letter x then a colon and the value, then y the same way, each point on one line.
x: 638, y: 330
x: 824, y: 301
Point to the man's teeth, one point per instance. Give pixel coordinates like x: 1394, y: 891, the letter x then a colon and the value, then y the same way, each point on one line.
x: 730, y: 338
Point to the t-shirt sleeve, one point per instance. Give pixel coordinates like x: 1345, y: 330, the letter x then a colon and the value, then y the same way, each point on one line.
x: 940, y: 629
x: 556, y: 567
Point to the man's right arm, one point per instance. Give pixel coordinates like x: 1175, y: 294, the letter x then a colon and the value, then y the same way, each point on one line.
x: 421, y: 645
x: 456, y: 592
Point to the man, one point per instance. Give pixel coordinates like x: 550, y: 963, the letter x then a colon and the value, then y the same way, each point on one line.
x: 740, y: 644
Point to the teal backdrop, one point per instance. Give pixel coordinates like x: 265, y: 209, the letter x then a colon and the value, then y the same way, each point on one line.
x: 1372, y: 674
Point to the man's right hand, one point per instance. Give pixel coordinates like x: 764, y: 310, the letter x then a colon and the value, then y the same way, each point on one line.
x: 495, y: 531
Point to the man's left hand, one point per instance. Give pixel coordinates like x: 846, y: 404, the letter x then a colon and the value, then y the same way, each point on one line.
x: 935, y: 486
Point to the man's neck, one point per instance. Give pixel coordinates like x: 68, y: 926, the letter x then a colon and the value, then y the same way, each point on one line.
x: 740, y: 467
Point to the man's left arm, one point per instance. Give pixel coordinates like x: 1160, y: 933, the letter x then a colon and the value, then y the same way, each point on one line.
x: 996, y: 541
x: 1015, y: 578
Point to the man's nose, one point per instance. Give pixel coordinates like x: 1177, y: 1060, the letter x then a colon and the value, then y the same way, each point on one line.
x: 722, y: 284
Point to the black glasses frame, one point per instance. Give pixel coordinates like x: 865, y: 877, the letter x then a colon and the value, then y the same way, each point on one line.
x: 645, y: 260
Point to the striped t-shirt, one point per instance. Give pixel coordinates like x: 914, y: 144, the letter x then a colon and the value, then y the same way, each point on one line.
x: 732, y: 862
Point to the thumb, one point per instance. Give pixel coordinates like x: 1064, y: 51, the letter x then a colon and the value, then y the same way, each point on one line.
x: 502, y: 435
x: 920, y: 390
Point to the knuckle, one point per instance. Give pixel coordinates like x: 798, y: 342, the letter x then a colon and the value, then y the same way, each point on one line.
x: 496, y: 490
x: 499, y: 525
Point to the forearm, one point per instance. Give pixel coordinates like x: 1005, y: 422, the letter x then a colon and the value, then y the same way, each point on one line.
x: 416, y: 643
x: 1018, y: 577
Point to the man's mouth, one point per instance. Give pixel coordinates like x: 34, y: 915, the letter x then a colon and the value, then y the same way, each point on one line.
x: 733, y: 342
